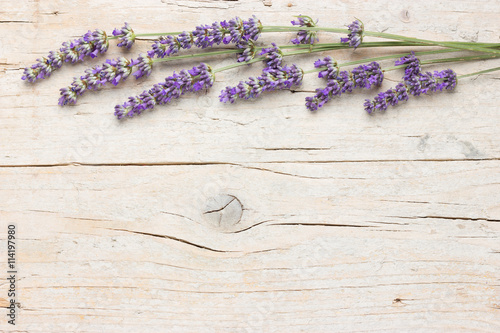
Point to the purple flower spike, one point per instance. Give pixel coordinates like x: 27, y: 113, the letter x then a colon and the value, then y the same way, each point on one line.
x: 90, y: 44
x: 413, y: 65
x: 252, y: 28
x: 69, y: 94
x: 145, y: 64
x: 355, y: 36
x: 113, y: 71
x: 126, y: 36
x: 449, y: 79
x: 248, y: 53
x: 384, y: 99
x: 419, y: 83
x: 278, y: 78
x: 236, y: 31
x: 336, y: 86
x: 305, y: 36
x: 274, y: 56
x: 201, y: 37
x: 44, y: 67
x: 416, y: 85
x: 364, y: 76
x: 332, y: 69
x: 198, y: 78
x: 165, y: 46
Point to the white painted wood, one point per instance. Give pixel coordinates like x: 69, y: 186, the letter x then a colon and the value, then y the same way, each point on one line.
x: 348, y: 222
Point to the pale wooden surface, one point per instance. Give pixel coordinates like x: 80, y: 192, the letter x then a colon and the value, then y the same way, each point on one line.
x: 348, y: 222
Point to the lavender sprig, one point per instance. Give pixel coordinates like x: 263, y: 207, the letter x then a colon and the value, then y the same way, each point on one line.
x: 126, y: 36
x: 355, y: 36
x: 413, y: 65
x: 236, y: 31
x: 305, y: 36
x: 90, y: 44
x: 112, y: 71
x: 274, y: 56
x: 427, y: 83
x: 198, y: 78
x: 389, y: 97
x: 339, y: 82
x: 145, y: 66
x: 248, y: 53
x: 273, y: 77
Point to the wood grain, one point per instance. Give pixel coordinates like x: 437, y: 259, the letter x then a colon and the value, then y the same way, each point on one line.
x: 341, y: 222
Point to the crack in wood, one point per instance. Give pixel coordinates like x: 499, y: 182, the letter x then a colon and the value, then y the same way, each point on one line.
x: 447, y: 218
x: 187, y: 163
x: 174, y: 239
x: 324, y: 225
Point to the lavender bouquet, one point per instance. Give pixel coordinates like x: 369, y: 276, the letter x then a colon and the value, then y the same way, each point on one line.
x: 239, y: 37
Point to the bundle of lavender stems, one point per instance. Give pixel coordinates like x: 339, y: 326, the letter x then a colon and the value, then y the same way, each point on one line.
x: 239, y: 37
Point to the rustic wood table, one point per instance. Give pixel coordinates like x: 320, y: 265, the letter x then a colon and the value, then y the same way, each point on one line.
x: 258, y: 216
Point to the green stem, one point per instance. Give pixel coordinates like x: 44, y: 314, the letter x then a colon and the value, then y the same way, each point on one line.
x: 149, y: 34
x: 321, y: 47
x: 425, y: 41
x: 410, y: 41
x: 238, y: 64
x: 394, y: 56
x: 439, y: 61
x: 329, y: 47
x: 456, y: 45
x: 197, y: 55
x: 480, y: 72
x: 158, y: 34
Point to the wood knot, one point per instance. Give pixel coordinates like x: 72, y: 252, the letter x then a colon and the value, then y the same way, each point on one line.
x: 404, y: 16
x: 223, y: 211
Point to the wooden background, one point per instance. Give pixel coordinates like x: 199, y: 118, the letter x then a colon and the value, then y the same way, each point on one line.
x: 348, y: 222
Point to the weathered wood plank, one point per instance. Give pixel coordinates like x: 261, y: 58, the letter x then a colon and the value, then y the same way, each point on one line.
x: 317, y: 247
x: 348, y: 222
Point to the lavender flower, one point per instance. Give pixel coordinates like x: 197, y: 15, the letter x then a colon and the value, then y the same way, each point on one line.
x: 274, y: 56
x: 145, y: 64
x: 235, y: 31
x: 332, y: 69
x: 271, y: 79
x: 365, y: 76
x: 248, y: 53
x: 339, y: 82
x: 305, y: 36
x: 113, y: 71
x: 335, y: 87
x: 389, y: 97
x: 355, y: 36
x: 416, y: 85
x: 91, y: 44
x: 448, y: 79
x: 44, y: 67
x: 126, y: 36
x: 274, y: 76
x: 164, y: 47
x: 413, y: 65
x: 252, y: 28
x: 200, y: 36
x: 198, y: 78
